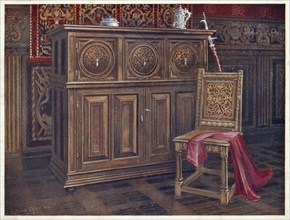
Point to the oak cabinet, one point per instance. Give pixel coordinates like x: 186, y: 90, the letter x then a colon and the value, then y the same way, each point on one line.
x: 119, y: 96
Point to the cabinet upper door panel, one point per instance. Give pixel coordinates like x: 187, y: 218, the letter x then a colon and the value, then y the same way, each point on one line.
x: 96, y: 59
x: 144, y: 59
x: 185, y: 58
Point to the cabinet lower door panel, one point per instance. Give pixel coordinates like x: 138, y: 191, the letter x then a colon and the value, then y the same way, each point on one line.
x: 158, y: 118
x: 185, y: 112
x: 125, y: 117
x: 93, y: 135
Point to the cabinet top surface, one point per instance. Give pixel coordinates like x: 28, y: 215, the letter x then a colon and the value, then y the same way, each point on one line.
x: 133, y: 30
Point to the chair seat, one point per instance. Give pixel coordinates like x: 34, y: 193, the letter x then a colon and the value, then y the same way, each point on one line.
x: 185, y: 138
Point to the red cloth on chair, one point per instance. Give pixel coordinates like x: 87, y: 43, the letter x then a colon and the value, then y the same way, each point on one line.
x: 247, y: 177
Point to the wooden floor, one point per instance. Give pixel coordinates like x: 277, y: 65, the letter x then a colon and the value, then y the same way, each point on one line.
x: 37, y: 192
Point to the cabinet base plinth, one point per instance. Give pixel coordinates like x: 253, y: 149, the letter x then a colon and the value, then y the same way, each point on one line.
x: 76, y: 179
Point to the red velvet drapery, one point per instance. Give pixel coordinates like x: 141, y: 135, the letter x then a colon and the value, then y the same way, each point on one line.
x: 247, y: 176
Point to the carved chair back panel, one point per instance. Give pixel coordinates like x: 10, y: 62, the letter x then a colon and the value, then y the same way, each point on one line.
x: 219, y: 101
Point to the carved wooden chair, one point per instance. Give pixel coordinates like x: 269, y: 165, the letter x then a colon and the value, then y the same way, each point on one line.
x: 218, y: 108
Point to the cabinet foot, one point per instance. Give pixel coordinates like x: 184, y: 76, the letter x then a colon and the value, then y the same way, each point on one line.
x: 70, y: 189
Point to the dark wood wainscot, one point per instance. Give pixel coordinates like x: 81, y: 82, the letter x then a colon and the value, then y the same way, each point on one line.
x: 119, y: 96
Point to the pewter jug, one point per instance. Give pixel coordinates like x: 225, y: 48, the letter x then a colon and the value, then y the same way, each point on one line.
x: 181, y: 16
x: 109, y: 21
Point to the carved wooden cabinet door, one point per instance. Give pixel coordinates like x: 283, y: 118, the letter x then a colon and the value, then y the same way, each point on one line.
x: 96, y: 58
x: 184, y: 110
x: 144, y: 59
x: 92, y: 125
x: 127, y: 124
x: 168, y: 110
x: 107, y: 125
x: 186, y: 57
x: 158, y: 117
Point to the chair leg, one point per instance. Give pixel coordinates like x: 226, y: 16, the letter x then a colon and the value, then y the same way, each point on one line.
x: 178, y: 178
x: 224, y: 188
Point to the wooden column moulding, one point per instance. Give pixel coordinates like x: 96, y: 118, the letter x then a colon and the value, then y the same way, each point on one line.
x: 15, y: 81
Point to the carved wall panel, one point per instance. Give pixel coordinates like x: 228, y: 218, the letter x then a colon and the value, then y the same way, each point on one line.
x: 278, y: 67
x: 271, y: 89
x: 41, y: 103
x: 248, y: 34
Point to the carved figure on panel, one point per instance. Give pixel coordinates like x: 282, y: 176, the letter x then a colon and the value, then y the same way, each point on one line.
x: 263, y: 34
x: 14, y: 27
x: 277, y: 35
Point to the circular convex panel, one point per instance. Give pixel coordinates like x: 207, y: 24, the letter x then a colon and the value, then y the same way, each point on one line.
x: 97, y: 59
x: 184, y: 58
x: 143, y: 60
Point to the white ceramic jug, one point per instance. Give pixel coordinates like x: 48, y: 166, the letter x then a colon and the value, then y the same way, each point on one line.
x: 181, y: 16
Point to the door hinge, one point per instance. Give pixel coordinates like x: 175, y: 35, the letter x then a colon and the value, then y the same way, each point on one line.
x: 78, y: 155
x: 77, y: 45
x: 77, y: 104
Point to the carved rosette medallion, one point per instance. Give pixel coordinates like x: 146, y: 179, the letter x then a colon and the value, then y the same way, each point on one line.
x: 144, y: 60
x: 184, y: 59
x: 97, y: 59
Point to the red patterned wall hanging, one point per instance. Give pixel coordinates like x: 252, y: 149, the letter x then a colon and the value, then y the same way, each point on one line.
x: 45, y: 17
